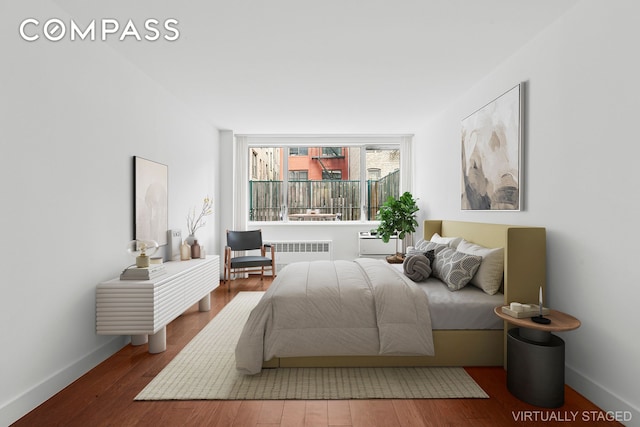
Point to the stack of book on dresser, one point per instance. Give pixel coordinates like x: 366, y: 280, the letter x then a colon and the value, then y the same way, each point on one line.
x: 143, y: 273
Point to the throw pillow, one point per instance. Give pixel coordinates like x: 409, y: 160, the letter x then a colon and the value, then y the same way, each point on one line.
x: 414, y: 251
x: 416, y: 267
x: 489, y: 275
x: 430, y: 254
x: 454, y: 268
x: 426, y: 245
x: 449, y: 241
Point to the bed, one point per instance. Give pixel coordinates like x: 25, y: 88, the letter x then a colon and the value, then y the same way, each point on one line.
x: 524, y: 250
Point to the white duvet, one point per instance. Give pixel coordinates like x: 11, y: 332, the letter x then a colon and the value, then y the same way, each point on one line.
x: 336, y: 308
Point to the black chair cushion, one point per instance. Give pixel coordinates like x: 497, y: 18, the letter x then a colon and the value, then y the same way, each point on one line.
x: 250, y: 261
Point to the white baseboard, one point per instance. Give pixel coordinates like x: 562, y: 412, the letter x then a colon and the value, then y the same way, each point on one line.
x: 605, y: 399
x: 26, y: 402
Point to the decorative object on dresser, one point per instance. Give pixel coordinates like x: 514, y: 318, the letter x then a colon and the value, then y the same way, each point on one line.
x: 492, y: 154
x: 397, y: 216
x: 150, y: 200
x: 185, y: 251
x: 195, y: 249
x: 142, y: 250
x: 195, y: 219
x: 143, y: 308
x: 175, y: 241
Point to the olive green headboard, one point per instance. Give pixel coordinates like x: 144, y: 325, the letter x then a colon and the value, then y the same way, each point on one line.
x: 525, y: 253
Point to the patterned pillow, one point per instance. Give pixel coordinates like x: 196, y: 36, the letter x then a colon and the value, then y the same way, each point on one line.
x: 413, y: 251
x: 425, y: 245
x: 454, y: 268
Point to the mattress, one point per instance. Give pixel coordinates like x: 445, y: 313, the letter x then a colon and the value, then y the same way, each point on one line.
x: 468, y: 308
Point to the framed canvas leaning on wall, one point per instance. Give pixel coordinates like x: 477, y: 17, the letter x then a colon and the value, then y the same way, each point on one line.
x: 150, y: 203
x: 492, y: 154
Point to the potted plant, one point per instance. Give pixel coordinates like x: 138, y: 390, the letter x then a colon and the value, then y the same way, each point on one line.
x: 397, y: 216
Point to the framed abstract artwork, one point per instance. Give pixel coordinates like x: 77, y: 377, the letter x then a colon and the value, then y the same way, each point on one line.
x: 151, y: 219
x: 492, y: 155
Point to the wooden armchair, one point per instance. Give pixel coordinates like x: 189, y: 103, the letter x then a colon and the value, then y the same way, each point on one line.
x: 247, y: 241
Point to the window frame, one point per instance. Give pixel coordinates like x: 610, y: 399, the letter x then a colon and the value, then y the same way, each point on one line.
x: 402, y: 142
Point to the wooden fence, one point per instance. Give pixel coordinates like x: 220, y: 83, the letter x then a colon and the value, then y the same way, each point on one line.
x: 334, y: 197
x: 380, y: 190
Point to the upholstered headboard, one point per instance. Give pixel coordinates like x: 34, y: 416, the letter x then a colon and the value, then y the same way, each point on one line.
x: 525, y: 254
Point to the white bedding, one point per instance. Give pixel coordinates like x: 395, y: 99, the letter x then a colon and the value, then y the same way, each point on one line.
x: 338, y: 308
x: 467, y: 308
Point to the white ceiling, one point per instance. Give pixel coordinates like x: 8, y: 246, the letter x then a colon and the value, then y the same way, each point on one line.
x: 325, y: 66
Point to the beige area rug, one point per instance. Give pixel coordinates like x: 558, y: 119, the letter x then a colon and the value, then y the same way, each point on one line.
x: 205, y: 370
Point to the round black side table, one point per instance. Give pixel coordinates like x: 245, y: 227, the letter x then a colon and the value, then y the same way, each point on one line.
x: 535, y: 358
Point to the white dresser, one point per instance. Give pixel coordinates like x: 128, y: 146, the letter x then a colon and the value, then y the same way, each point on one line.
x: 143, y: 309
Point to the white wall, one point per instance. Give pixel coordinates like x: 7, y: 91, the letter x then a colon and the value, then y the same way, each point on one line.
x: 581, y: 183
x: 72, y: 117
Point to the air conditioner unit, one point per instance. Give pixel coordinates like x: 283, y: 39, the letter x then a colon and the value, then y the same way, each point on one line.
x: 370, y: 245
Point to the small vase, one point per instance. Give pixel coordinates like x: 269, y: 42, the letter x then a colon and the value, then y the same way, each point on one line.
x: 195, y: 250
x: 190, y: 239
x: 185, y: 251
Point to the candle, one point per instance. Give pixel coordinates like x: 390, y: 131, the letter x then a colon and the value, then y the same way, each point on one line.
x: 540, y: 301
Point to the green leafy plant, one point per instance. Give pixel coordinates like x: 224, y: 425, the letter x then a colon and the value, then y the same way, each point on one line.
x: 397, y: 216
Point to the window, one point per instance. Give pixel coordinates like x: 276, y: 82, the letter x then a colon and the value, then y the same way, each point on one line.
x: 298, y: 151
x: 373, y: 173
x: 331, y: 152
x: 254, y: 164
x: 349, y: 181
x: 298, y: 175
x: 333, y: 174
x: 383, y: 180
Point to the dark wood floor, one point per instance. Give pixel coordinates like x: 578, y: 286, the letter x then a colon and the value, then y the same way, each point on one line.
x: 104, y: 396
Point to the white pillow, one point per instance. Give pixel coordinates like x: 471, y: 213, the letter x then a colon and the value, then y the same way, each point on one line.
x: 489, y: 275
x: 452, y: 242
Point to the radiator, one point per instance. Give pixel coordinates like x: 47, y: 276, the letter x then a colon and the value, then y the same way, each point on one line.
x: 308, y: 250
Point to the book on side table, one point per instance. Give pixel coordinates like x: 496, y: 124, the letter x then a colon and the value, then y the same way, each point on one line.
x: 524, y: 310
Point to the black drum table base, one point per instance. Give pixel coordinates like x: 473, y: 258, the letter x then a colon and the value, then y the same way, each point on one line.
x: 535, y: 367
